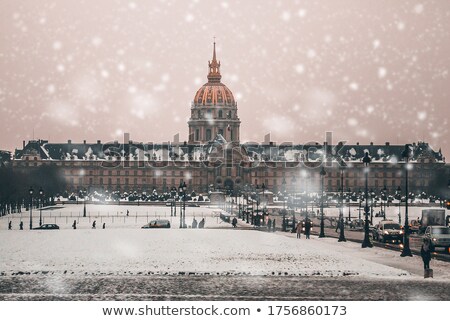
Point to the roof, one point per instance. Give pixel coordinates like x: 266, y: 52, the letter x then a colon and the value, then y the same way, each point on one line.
x: 255, y: 152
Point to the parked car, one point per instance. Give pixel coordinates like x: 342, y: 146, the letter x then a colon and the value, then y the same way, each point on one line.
x: 414, y: 226
x: 47, y: 227
x: 439, y: 236
x: 388, y: 231
x: 357, y: 223
x: 192, y: 205
x: 157, y: 224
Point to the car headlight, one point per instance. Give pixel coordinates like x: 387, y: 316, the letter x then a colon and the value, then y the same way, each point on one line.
x: 401, y: 232
x: 434, y: 239
x: 386, y: 232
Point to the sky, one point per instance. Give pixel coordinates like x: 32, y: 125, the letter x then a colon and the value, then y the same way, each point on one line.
x: 367, y: 71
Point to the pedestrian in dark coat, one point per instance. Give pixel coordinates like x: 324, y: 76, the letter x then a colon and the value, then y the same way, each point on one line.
x: 74, y: 225
x: 202, y: 223
x: 194, y: 223
x: 94, y: 224
x: 104, y: 225
x: 425, y: 252
x: 9, y: 225
x: 21, y: 225
x: 338, y: 225
x: 269, y: 224
x: 308, y: 226
x: 234, y: 222
x: 273, y: 225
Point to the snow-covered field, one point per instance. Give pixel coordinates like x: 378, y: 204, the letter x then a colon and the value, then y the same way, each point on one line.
x: 52, y: 261
x: 124, y: 247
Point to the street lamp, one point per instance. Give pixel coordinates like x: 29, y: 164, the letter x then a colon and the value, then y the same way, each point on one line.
x: 372, y: 194
x: 406, y: 250
x: 173, y: 193
x: 399, y: 190
x: 283, y: 183
x: 264, y: 205
x: 31, y: 191
x: 341, y: 210
x: 366, y: 242
x: 387, y: 200
x: 41, y: 194
x: 294, y: 182
x: 349, y: 199
x: 84, y: 203
x: 182, y: 190
x: 322, y: 224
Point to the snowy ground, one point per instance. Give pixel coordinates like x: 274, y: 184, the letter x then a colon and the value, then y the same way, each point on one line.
x: 123, y: 249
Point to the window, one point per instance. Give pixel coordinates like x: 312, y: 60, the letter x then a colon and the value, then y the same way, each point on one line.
x: 220, y: 114
x: 208, y: 134
x: 197, y: 134
x: 221, y: 131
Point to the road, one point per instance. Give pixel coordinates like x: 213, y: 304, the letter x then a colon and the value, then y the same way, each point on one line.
x: 216, y: 288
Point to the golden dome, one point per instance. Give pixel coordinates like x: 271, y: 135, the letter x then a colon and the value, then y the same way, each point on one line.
x: 214, y: 92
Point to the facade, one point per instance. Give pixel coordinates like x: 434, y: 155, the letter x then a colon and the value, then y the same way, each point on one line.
x: 214, y: 158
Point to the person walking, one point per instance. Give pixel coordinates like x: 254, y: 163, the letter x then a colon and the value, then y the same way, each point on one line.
x: 74, y: 225
x: 269, y: 225
x: 128, y: 212
x: 94, y: 224
x: 194, y: 223
x: 338, y: 225
x: 104, y: 225
x: 202, y: 223
x: 234, y: 222
x: 273, y: 225
x: 425, y: 252
x: 10, y: 225
x: 21, y: 225
x: 299, y: 229
x: 308, y: 226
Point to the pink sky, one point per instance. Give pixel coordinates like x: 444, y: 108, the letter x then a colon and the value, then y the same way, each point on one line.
x: 86, y: 70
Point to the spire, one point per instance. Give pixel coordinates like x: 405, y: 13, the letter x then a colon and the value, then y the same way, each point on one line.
x: 214, y: 67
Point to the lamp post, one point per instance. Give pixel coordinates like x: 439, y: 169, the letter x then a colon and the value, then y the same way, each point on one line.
x: 372, y: 194
x: 41, y: 194
x: 366, y: 242
x: 322, y: 224
x: 384, y: 196
x: 341, y: 211
x: 349, y: 199
x: 399, y: 190
x: 294, y: 182
x: 173, y: 192
x: 264, y: 205
x: 31, y: 191
x: 182, y: 190
x: 406, y: 250
x: 283, y: 227
x: 84, y: 203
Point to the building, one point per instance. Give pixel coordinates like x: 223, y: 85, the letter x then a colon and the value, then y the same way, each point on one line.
x: 214, y: 158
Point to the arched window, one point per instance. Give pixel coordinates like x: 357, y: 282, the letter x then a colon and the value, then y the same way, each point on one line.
x: 208, y: 134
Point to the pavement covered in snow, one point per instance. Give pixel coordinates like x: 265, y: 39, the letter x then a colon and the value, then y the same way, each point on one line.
x: 123, y: 249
